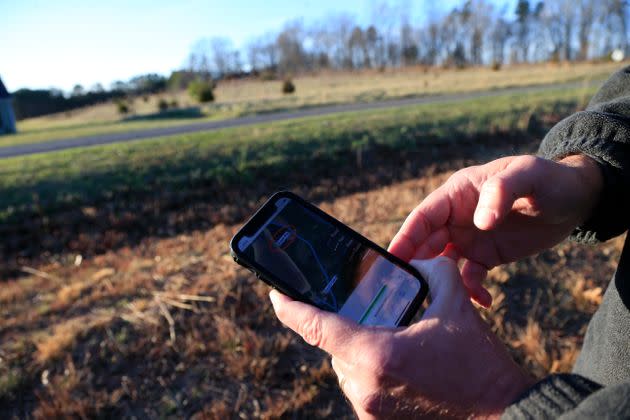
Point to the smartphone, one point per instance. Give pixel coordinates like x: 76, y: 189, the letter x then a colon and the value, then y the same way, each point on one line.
x: 312, y: 257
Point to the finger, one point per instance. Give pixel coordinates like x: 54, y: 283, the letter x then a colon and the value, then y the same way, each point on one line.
x: 326, y: 330
x: 473, y: 275
x: 499, y: 192
x: 451, y: 251
x: 445, y: 283
x: 433, y: 246
x: 425, y: 219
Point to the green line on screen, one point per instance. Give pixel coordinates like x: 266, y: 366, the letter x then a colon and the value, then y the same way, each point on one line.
x: 372, y: 304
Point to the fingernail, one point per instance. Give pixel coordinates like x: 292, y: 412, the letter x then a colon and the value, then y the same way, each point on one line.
x: 484, y: 218
x: 273, y: 296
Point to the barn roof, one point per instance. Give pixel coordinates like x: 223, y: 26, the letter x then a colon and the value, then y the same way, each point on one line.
x: 3, y: 91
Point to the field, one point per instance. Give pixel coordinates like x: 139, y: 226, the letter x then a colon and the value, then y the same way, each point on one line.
x: 119, y: 297
x: 247, y: 97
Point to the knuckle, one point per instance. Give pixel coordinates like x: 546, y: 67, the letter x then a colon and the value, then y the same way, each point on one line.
x: 495, y: 184
x: 383, y: 363
x: 529, y: 161
x: 461, y: 175
x: 311, y: 331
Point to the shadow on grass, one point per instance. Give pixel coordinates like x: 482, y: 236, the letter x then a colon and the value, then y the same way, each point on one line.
x: 171, y: 114
x: 92, y: 215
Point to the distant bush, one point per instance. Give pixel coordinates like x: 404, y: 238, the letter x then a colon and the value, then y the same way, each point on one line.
x: 174, y: 104
x: 122, y: 107
x: 145, y: 98
x: 496, y: 65
x: 288, y: 87
x: 201, y: 91
x: 162, y: 105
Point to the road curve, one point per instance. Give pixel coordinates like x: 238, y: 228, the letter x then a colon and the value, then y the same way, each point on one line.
x: 63, y: 144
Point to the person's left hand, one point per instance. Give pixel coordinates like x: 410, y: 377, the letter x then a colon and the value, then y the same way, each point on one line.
x: 448, y: 364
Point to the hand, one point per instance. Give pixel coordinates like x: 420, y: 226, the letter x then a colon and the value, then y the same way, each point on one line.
x: 449, y: 363
x: 500, y: 212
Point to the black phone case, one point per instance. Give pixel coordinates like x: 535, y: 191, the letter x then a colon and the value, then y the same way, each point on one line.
x: 269, y: 278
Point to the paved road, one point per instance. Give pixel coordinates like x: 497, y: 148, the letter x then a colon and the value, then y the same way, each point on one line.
x: 63, y: 144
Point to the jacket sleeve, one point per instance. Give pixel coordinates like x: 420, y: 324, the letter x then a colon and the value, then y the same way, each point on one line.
x: 567, y: 396
x: 602, y: 131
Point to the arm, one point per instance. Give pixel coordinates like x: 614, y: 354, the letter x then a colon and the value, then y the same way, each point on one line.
x: 520, y: 205
x: 601, y: 132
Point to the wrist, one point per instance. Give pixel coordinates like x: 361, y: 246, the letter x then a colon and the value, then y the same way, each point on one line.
x: 503, y: 385
x: 504, y: 393
x: 589, y: 178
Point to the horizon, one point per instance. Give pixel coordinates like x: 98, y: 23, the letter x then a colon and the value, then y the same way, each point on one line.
x: 148, y: 37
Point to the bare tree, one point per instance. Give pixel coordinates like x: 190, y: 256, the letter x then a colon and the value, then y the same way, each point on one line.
x: 480, y: 19
x: 254, y: 51
x: 499, y: 35
x: 290, y: 48
x: 357, y: 49
x: 372, y: 45
x: 568, y: 23
x: 587, y: 15
x: 221, y: 53
x: 523, y: 12
x: 385, y: 19
x: 618, y: 20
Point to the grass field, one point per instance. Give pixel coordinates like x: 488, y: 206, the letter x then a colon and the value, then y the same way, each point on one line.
x: 119, y: 297
x: 44, y: 183
x: 247, y: 97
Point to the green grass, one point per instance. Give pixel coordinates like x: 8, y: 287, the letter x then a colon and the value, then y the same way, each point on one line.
x: 232, y: 157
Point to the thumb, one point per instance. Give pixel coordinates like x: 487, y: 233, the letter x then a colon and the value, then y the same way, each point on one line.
x: 445, y: 283
x: 326, y: 330
x: 499, y: 192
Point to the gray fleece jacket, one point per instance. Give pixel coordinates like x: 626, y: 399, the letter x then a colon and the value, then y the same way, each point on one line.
x: 599, y: 386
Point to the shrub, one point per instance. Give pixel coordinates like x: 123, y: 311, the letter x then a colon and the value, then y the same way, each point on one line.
x: 288, y: 87
x: 174, y: 104
x: 201, y: 91
x: 162, y: 105
x: 122, y: 107
x: 496, y: 65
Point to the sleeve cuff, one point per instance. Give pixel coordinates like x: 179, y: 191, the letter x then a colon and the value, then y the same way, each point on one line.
x: 604, y: 139
x: 551, y: 397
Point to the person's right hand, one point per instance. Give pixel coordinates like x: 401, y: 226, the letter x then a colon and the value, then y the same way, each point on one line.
x: 499, y: 212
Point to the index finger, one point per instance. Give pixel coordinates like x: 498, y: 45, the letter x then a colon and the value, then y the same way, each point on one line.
x: 423, y: 226
x: 326, y: 330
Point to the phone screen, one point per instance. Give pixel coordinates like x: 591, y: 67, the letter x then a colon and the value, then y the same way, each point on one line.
x: 329, y: 267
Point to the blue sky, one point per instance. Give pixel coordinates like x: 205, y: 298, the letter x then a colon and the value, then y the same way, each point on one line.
x: 64, y: 42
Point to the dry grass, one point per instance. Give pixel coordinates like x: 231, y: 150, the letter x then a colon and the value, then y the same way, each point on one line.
x: 370, y: 85
x: 51, y: 345
x: 172, y: 327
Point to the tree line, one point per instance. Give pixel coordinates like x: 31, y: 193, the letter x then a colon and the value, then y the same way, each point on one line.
x: 477, y: 32
x: 29, y: 103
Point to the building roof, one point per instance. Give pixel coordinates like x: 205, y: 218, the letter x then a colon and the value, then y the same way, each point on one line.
x: 4, y: 93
